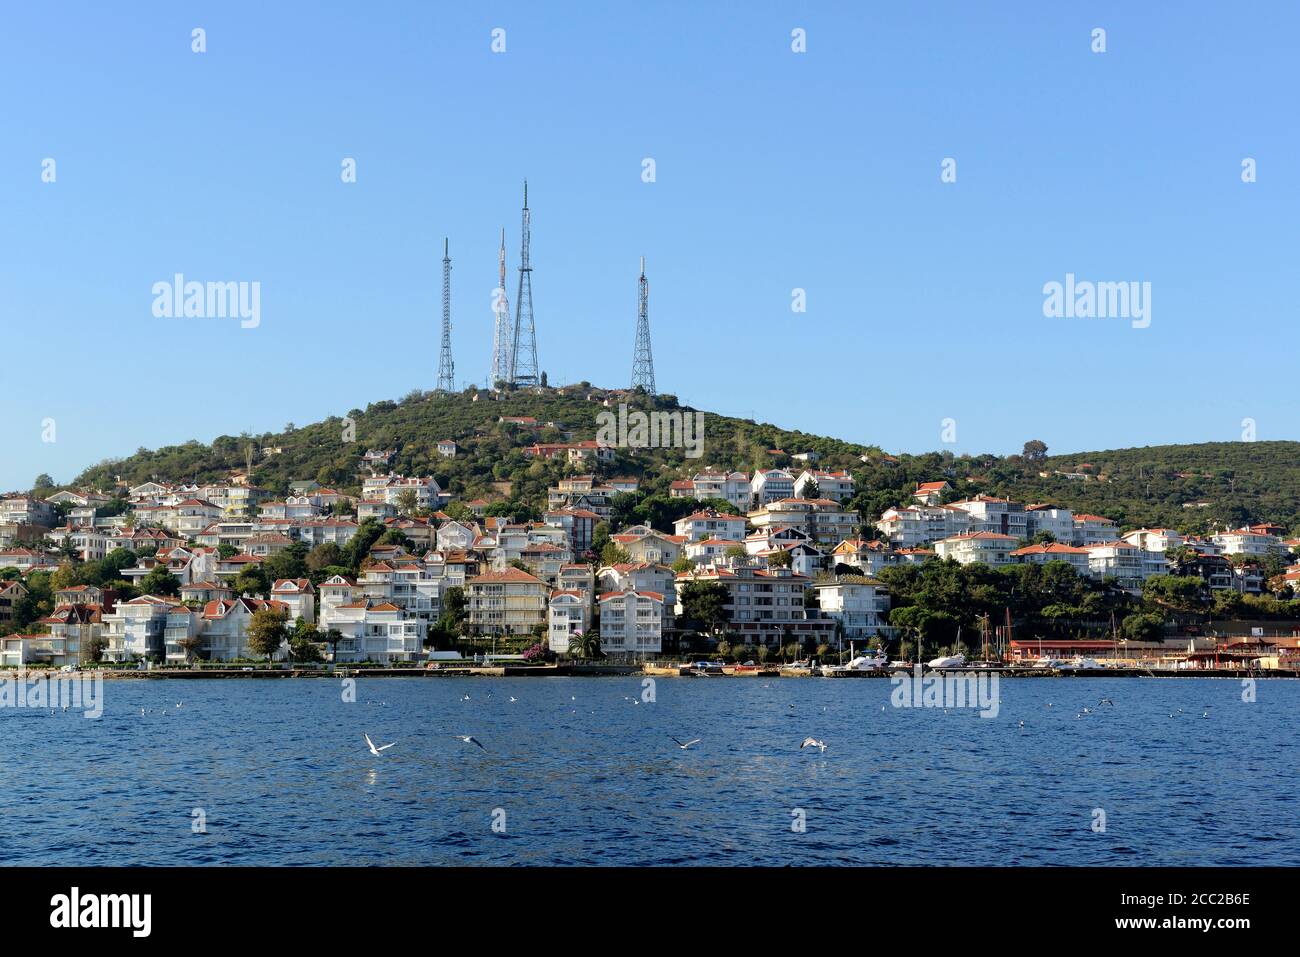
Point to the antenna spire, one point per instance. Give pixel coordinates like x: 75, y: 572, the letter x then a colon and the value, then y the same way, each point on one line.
x: 523, y: 353
x: 502, y: 337
x: 446, y: 367
x: 643, y: 363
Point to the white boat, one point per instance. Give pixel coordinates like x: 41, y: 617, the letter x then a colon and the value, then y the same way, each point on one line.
x: 871, y: 661
x: 1082, y: 664
x: 1045, y: 661
x: 947, y: 661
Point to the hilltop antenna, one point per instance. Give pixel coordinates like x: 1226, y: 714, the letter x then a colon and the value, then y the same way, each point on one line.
x: 502, y: 339
x: 523, y: 362
x: 643, y: 363
x: 446, y: 367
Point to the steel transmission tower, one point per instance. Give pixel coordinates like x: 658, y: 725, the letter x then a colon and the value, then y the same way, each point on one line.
x: 502, y: 339
x: 523, y: 352
x: 446, y: 367
x: 643, y: 362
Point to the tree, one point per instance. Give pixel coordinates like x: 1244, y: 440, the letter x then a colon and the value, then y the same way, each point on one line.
x: 407, y: 502
x: 614, y: 554
x: 781, y: 559
x: 811, y: 490
x: 332, y: 638
x: 251, y: 581
x: 1035, y: 450
x: 304, y: 643
x: 267, y: 631
x: 600, y: 537
x: 160, y: 581
x: 324, y: 555
x: 93, y: 649
x: 190, y: 646
x: 1142, y: 627
x: 585, y: 644
x: 42, y: 482
x: 705, y: 604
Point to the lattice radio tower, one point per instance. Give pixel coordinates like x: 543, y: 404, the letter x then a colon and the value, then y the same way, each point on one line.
x: 446, y: 367
x: 502, y: 339
x: 523, y: 360
x: 643, y: 362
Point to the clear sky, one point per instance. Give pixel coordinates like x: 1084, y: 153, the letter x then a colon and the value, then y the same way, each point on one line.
x: 775, y: 170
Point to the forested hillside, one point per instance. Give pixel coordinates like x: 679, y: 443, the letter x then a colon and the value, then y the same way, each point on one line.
x: 1190, y: 487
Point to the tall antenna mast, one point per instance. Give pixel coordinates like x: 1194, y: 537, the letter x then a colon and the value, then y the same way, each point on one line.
x: 446, y: 367
x: 502, y: 340
x: 643, y: 363
x: 523, y: 361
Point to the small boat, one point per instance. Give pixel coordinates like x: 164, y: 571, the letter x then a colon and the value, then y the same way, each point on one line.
x: 1080, y: 663
x: 871, y: 661
x: 1046, y: 661
x: 946, y: 661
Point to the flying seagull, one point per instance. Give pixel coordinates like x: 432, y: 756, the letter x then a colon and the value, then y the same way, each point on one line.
x: 470, y: 739
x: 374, y: 750
x: 1105, y: 701
x: 686, y: 744
x: 812, y: 743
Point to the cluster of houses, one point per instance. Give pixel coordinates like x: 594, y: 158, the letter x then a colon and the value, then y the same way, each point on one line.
x: 792, y: 537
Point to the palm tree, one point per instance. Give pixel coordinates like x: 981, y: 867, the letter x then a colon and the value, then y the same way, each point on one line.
x: 585, y: 644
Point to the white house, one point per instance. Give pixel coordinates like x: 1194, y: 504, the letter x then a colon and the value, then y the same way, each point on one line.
x: 990, y: 548
x: 860, y: 604
x: 631, y: 622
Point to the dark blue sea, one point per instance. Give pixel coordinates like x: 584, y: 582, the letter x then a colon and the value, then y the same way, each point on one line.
x: 576, y: 773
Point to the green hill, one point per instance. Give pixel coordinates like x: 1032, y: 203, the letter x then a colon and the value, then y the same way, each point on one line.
x: 1239, y: 482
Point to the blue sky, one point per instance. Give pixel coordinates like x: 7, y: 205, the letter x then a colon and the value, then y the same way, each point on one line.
x: 775, y: 170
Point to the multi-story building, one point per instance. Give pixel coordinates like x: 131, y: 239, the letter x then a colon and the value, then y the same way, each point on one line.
x: 989, y: 548
x: 26, y: 510
x: 1076, y: 558
x: 631, y: 622
x: 710, y: 524
x: 836, y: 486
x: 298, y: 595
x: 135, y: 628
x: 1057, y: 521
x: 1118, y: 560
x: 858, y: 603
x: 1093, y: 530
x: 1252, y: 541
x: 824, y: 520
x: 763, y: 604
x: 771, y: 485
x: 996, y: 515
x: 913, y: 526
x: 509, y: 602
x: 569, y: 613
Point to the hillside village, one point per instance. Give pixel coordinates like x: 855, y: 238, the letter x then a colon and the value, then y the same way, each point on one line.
x: 584, y: 549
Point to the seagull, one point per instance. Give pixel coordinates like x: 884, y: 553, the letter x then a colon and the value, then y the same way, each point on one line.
x: 684, y: 745
x: 513, y: 698
x: 464, y: 697
x: 374, y: 750
x: 812, y: 743
x: 1105, y: 701
x: 1206, y: 715
x: 1022, y: 724
x: 470, y: 739
x: 1086, y: 711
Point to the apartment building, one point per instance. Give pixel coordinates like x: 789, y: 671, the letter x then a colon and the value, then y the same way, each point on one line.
x: 509, y: 602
